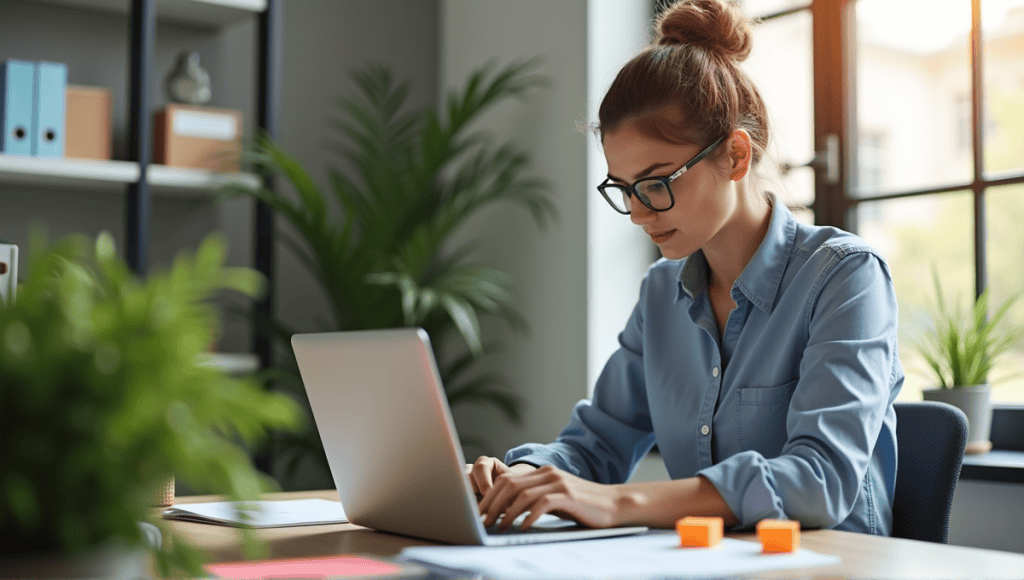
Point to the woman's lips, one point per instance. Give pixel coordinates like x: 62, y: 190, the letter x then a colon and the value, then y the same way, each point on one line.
x: 662, y: 236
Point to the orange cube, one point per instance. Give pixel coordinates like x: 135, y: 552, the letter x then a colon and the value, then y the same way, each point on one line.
x: 779, y: 535
x: 695, y: 532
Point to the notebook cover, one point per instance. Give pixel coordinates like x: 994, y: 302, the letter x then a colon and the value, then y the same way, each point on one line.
x: 348, y: 566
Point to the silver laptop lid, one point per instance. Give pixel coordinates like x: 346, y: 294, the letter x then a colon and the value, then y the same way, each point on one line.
x: 382, y: 414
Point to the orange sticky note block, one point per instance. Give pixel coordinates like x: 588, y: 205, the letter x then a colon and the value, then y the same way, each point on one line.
x: 779, y: 535
x: 697, y: 532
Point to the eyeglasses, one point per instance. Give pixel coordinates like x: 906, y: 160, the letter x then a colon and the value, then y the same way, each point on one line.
x: 654, y: 192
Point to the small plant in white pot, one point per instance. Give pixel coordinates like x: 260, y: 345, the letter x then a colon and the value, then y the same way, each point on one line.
x: 961, y: 348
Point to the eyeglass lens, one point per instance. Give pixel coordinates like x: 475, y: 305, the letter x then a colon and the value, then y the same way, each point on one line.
x: 654, y: 193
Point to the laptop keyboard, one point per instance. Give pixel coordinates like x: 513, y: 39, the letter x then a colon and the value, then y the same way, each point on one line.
x: 546, y: 524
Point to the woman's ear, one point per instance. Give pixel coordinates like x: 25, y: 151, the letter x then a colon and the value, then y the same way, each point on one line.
x: 740, y: 154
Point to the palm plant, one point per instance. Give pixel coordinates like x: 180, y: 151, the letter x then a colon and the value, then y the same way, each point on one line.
x: 379, y: 239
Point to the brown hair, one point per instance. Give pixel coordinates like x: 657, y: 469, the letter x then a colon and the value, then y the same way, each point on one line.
x: 687, y: 87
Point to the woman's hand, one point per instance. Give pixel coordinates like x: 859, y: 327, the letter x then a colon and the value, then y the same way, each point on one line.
x: 485, y: 469
x: 544, y: 490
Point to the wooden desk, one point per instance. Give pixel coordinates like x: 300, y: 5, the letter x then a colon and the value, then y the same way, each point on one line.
x: 863, y: 556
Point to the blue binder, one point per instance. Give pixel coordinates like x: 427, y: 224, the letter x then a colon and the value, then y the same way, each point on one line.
x: 17, y: 103
x: 51, y: 83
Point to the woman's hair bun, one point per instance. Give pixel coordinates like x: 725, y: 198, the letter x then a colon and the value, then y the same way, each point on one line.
x: 717, y: 26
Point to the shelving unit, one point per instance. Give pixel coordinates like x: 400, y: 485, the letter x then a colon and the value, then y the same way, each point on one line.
x: 136, y: 177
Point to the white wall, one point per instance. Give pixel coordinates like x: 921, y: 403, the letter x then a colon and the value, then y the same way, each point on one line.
x: 618, y: 252
x: 548, y: 367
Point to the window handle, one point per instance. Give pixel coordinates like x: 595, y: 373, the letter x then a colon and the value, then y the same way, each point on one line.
x: 826, y: 160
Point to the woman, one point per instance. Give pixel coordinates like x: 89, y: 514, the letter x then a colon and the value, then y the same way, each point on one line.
x: 761, y: 356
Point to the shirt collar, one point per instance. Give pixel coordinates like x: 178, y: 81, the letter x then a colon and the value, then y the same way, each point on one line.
x: 761, y: 278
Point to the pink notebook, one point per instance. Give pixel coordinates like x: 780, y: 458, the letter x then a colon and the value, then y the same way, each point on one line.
x: 324, y: 567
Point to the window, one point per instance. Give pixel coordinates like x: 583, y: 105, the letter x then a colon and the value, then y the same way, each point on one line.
x: 871, y: 159
x: 940, y: 156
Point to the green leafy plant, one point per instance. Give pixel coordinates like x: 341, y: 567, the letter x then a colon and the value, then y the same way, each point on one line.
x: 379, y: 240
x: 962, y: 344
x: 102, y: 398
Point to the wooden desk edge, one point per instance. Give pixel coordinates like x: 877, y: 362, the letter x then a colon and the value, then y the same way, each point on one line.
x: 862, y: 555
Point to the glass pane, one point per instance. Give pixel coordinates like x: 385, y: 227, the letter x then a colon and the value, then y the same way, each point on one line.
x: 1004, y: 208
x: 1002, y: 29
x: 913, y: 95
x: 780, y: 66
x: 911, y: 247
x: 765, y: 7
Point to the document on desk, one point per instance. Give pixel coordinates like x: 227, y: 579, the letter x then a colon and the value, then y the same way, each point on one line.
x: 260, y: 514
x: 653, y: 555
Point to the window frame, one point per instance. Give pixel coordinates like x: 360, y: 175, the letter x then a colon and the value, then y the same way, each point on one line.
x: 834, y: 67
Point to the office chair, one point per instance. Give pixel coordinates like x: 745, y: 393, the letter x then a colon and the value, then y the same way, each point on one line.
x: 930, y: 438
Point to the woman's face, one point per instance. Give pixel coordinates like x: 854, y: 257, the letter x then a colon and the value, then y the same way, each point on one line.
x: 703, y: 198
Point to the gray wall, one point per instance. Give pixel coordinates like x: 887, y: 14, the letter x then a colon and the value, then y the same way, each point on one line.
x: 988, y: 515
x: 548, y: 367
x: 324, y: 39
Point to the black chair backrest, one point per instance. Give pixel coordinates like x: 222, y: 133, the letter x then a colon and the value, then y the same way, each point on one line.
x: 930, y: 438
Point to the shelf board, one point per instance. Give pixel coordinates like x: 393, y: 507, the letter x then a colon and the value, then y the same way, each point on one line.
x: 92, y: 174
x: 202, y: 13
x: 193, y: 182
x: 76, y: 173
x: 241, y: 363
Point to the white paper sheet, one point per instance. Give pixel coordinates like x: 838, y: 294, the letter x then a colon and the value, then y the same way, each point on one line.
x: 653, y: 555
x: 261, y: 514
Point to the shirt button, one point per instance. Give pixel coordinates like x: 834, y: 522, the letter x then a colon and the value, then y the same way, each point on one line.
x: 704, y: 430
x: 714, y: 372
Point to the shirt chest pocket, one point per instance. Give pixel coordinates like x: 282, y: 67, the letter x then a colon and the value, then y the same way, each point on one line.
x: 761, y: 414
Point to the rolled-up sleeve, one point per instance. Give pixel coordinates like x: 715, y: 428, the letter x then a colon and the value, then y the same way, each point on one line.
x: 847, y: 375
x: 607, y: 435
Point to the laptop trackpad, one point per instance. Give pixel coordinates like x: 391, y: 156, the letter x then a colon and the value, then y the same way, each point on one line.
x: 546, y: 522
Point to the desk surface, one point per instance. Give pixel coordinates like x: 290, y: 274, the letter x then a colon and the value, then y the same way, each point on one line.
x: 863, y: 556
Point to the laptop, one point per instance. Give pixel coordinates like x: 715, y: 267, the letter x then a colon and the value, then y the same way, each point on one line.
x: 383, y: 417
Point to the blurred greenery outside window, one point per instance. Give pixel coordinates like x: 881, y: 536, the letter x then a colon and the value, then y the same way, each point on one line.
x: 915, y: 133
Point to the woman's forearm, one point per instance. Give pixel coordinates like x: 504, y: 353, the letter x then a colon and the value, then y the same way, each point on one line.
x: 659, y: 504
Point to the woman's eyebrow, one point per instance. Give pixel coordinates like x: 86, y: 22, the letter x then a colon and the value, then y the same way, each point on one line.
x: 646, y: 171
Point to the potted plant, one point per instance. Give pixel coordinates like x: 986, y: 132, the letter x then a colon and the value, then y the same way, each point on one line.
x: 379, y: 239
x: 960, y: 348
x: 103, y: 399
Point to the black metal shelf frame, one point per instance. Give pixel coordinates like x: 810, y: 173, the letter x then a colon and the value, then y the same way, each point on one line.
x: 138, y: 212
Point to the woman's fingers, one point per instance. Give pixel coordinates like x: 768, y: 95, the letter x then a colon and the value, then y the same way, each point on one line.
x: 549, y: 490
x: 483, y: 472
x: 530, y: 500
x: 507, y: 488
x: 544, y: 505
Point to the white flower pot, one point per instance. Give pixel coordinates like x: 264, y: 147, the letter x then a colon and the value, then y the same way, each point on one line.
x: 976, y: 403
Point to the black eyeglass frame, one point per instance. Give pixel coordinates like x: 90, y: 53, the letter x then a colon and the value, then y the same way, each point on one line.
x: 666, y: 180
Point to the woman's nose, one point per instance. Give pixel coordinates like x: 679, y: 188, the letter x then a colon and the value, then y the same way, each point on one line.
x: 638, y: 212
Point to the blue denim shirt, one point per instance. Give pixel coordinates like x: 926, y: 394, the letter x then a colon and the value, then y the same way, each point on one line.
x: 789, y: 416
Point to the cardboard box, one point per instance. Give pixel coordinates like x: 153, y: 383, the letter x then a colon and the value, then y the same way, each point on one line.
x: 88, y: 129
x: 198, y: 137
